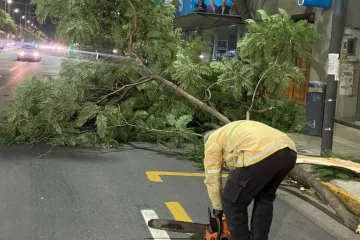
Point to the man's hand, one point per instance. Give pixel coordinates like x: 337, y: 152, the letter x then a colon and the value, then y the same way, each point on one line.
x: 218, y: 213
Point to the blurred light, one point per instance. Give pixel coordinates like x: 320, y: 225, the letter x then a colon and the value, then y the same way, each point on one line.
x: 201, y: 56
x: 115, y: 51
x: 23, y: 17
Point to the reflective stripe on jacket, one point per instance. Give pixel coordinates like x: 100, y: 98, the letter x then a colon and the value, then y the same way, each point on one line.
x: 239, y: 144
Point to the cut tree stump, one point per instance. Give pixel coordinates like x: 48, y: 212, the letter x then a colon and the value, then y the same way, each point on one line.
x: 329, y: 162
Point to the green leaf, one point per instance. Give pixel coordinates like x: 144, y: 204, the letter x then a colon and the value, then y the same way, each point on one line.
x: 89, y: 111
x: 101, y: 125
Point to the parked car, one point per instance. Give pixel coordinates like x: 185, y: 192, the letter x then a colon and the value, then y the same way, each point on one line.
x: 29, y: 52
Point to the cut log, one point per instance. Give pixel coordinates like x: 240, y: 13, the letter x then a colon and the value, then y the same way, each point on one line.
x: 329, y: 162
x: 349, y: 220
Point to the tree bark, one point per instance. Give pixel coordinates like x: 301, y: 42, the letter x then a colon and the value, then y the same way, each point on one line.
x: 192, y: 99
x: 349, y: 220
x: 329, y: 162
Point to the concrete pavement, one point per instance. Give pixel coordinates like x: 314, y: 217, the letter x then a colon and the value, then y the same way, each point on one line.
x: 83, y: 194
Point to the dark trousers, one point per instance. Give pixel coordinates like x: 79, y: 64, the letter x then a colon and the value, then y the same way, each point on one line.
x: 257, y: 182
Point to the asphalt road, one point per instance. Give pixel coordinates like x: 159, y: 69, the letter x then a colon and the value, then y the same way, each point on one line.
x: 12, y: 72
x: 89, y: 194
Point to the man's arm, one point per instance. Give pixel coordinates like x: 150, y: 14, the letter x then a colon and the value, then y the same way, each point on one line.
x: 213, y: 163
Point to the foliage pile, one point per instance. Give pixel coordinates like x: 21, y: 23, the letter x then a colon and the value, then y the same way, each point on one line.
x: 7, y: 24
x: 109, y: 102
x: 329, y: 173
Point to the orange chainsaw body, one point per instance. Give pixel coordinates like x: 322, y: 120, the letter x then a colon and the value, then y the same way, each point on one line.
x: 213, y: 235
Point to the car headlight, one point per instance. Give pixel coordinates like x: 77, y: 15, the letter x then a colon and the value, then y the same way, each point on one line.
x: 22, y: 53
x: 36, y: 54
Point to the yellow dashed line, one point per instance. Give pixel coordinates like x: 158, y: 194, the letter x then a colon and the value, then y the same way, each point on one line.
x: 178, y: 212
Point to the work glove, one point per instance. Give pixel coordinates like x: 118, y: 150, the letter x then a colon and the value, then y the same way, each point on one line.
x: 218, y: 213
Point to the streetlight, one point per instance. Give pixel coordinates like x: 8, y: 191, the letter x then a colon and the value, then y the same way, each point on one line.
x: 8, y: 2
x: 15, y: 11
x: 22, y: 17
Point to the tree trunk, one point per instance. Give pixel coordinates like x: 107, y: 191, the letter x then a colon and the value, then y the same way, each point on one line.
x: 192, y: 99
x: 348, y: 219
x: 329, y: 162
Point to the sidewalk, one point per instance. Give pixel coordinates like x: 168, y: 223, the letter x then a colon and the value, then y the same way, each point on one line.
x: 346, y: 143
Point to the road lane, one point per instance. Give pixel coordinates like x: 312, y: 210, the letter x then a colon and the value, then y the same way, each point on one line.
x: 82, y: 194
x: 13, y: 72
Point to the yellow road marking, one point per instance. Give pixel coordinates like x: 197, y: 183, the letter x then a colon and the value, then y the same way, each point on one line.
x: 155, y: 176
x: 178, y: 212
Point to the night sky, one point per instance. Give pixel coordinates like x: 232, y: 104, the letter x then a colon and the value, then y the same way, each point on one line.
x: 48, y: 27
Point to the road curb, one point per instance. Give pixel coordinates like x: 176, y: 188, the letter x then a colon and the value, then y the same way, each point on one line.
x: 351, y: 202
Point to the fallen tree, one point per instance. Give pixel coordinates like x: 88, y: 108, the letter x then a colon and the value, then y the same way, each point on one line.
x: 349, y: 220
x: 82, y: 106
x: 329, y: 162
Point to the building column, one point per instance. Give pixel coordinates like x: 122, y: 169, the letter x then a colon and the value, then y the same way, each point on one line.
x: 216, y: 38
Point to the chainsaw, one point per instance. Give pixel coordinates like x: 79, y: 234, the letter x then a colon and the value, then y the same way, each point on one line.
x: 216, y: 229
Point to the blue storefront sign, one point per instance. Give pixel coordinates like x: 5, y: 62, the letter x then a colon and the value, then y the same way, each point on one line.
x: 315, y: 3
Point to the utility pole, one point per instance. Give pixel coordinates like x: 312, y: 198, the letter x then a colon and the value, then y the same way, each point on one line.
x: 337, y: 30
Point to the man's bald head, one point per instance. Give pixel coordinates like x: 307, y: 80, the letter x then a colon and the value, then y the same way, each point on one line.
x: 207, y: 135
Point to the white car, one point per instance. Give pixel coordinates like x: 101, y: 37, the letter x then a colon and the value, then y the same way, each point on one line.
x: 29, y: 52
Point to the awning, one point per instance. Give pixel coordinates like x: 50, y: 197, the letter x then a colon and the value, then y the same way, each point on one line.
x: 200, y: 20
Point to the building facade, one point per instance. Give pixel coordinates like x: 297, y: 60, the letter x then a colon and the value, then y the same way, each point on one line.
x: 221, y: 30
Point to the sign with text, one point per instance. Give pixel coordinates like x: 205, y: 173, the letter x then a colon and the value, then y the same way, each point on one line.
x: 315, y: 3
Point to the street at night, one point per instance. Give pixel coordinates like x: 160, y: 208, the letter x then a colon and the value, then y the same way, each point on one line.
x: 131, y: 110
x: 93, y: 194
x: 13, y: 72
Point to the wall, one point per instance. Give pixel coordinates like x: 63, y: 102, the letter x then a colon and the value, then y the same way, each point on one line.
x: 271, y: 6
x: 347, y: 105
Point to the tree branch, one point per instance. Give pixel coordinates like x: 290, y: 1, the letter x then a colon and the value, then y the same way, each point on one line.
x: 134, y: 25
x: 192, y: 99
x: 138, y: 82
x: 156, y: 130
x: 254, y: 94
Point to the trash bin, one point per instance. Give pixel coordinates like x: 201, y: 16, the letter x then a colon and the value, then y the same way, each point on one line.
x: 315, y: 103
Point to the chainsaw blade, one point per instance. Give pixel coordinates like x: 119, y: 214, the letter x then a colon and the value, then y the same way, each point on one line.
x: 178, y: 226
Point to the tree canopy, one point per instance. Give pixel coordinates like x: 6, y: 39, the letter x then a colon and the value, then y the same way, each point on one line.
x: 112, y: 101
x: 7, y: 24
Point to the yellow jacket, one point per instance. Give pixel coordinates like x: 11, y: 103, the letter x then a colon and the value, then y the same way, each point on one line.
x: 239, y: 144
